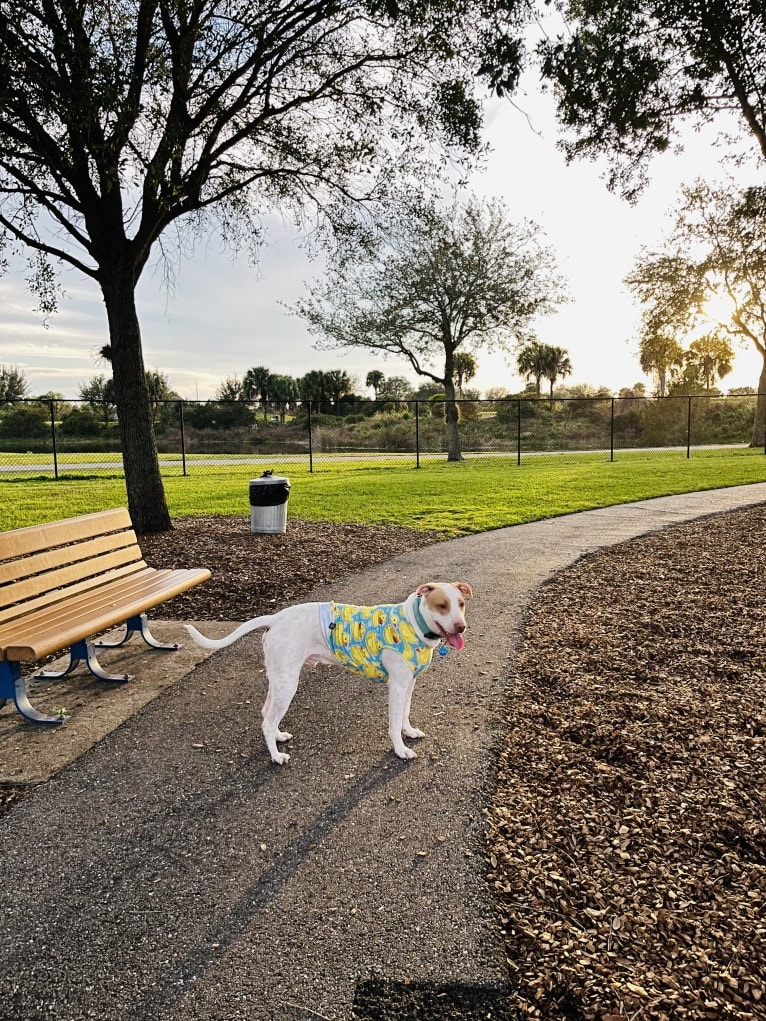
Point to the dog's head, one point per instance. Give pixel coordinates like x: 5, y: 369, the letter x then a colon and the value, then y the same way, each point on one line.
x: 442, y: 605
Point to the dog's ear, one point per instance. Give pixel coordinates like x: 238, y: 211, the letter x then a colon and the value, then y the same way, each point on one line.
x: 464, y: 587
x: 423, y: 590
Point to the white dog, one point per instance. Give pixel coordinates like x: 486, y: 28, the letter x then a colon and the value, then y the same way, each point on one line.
x: 391, y: 642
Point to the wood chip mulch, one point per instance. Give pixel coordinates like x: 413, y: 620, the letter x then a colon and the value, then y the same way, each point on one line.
x: 627, y: 834
x: 255, y: 573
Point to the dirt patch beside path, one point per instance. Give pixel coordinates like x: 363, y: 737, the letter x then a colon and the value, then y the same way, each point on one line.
x: 31, y: 753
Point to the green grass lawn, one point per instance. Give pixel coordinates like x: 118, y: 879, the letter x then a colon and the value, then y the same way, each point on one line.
x: 453, y: 499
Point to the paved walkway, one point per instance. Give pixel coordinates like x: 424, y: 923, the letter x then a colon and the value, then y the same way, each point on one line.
x: 174, y: 874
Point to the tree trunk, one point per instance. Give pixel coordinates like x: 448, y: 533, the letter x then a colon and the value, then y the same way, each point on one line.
x: 451, y: 419
x: 146, y: 494
x: 759, y: 423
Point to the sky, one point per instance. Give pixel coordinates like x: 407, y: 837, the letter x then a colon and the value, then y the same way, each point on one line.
x: 225, y: 316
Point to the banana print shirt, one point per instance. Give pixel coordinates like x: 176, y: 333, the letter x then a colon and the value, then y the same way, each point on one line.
x: 357, y: 635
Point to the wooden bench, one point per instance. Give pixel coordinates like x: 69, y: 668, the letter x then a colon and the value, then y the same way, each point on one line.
x: 64, y: 582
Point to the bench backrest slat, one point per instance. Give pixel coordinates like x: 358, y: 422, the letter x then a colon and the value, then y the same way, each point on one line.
x: 22, y: 541
x: 43, y: 564
x: 77, y: 556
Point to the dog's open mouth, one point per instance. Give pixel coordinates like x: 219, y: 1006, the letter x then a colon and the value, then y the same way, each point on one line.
x: 456, y: 641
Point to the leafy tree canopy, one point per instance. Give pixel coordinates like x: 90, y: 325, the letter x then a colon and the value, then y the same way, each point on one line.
x: 99, y: 393
x: 230, y: 389
x: 433, y: 282
x: 711, y: 270
x: 395, y: 388
x: 630, y: 75
x: 13, y: 384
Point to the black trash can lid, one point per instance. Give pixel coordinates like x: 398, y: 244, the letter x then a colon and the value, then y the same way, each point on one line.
x: 270, y: 479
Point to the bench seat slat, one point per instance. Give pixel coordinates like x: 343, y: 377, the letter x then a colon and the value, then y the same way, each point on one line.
x: 113, y: 587
x: 57, y: 595
x: 149, y: 582
x: 52, y: 628
x: 56, y: 585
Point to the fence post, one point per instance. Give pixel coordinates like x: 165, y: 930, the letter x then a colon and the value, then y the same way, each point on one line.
x: 183, y: 436
x: 518, y: 431
x: 311, y: 446
x: 689, y: 428
x: 52, y: 412
x: 417, y: 434
x: 611, y: 435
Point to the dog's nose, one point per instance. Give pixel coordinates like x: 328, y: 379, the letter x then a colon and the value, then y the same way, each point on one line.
x: 459, y: 628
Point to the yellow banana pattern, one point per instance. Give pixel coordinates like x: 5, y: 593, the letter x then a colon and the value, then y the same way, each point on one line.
x: 357, y: 636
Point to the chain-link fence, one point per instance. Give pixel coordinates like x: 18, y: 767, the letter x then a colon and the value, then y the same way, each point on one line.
x: 53, y: 438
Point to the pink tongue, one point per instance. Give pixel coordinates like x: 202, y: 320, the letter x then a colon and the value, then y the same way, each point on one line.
x: 456, y: 641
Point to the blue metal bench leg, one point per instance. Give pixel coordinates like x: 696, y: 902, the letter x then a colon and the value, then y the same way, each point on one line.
x: 12, y: 685
x: 139, y: 623
x: 84, y: 652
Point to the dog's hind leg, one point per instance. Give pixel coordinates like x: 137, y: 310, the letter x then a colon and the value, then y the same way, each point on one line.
x: 283, y: 668
x: 282, y: 688
x: 279, y: 735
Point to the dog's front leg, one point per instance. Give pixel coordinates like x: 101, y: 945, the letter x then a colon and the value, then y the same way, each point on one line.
x: 400, y: 682
x: 407, y: 729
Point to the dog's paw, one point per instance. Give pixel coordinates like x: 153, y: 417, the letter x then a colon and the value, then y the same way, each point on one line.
x: 282, y: 735
x: 405, y: 753
x: 281, y: 758
x: 412, y: 732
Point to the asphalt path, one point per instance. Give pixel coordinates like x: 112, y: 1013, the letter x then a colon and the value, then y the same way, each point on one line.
x: 173, y: 873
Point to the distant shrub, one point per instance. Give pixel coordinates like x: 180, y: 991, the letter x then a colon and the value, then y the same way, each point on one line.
x: 81, y: 421
x: 27, y: 421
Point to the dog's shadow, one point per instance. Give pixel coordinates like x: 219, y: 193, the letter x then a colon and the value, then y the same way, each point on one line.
x: 267, y: 885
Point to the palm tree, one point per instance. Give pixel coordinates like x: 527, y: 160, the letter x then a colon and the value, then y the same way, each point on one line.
x: 660, y: 354
x: 713, y: 358
x: 284, y: 392
x: 465, y: 367
x: 256, y: 384
x: 557, y: 365
x: 532, y: 361
x: 374, y: 380
x: 338, y: 383
x: 324, y: 388
x: 312, y: 387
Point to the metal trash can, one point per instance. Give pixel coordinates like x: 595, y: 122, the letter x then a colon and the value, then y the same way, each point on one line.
x: 268, y: 503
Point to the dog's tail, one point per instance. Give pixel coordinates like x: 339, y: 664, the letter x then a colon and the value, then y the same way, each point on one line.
x: 221, y: 643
